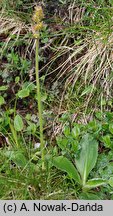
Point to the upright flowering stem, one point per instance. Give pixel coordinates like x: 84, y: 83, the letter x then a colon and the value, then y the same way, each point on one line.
x: 37, y: 18
x: 39, y: 104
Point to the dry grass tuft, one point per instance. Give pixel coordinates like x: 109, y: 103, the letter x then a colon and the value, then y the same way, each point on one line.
x: 89, y: 60
x: 12, y: 28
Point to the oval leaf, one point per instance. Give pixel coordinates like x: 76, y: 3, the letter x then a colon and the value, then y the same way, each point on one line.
x: 17, y: 157
x: 87, y: 157
x: 23, y: 93
x: 76, y: 131
x: 18, y: 123
x: 65, y: 165
x: 3, y: 88
x: 93, y: 183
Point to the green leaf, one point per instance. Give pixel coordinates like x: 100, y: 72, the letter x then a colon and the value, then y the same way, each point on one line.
x: 76, y: 131
x: 88, y: 156
x: 107, y: 141
x: 94, y: 126
x: 65, y: 165
x: 18, y: 123
x: 111, y: 128
x: 23, y: 93
x: 17, y: 79
x: 103, y: 102
x: 2, y: 101
x: 62, y: 142
x: 66, y: 130
x: 111, y: 2
x: 3, y: 88
x: 110, y: 182
x: 98, y: 115
x: 45, y: 40
x: 31, y: 128
x: 93, y: 183
x: 43, y: 97
x: 17, y: 157
x: 87, y: 90
x: 29, y: 85
x: 89, y: 196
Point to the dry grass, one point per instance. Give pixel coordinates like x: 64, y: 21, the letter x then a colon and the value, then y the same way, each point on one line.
x: 89, y: 60
x: 12, y: 28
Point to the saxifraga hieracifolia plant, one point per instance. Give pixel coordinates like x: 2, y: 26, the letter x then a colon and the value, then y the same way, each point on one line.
x: 38, y: 25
